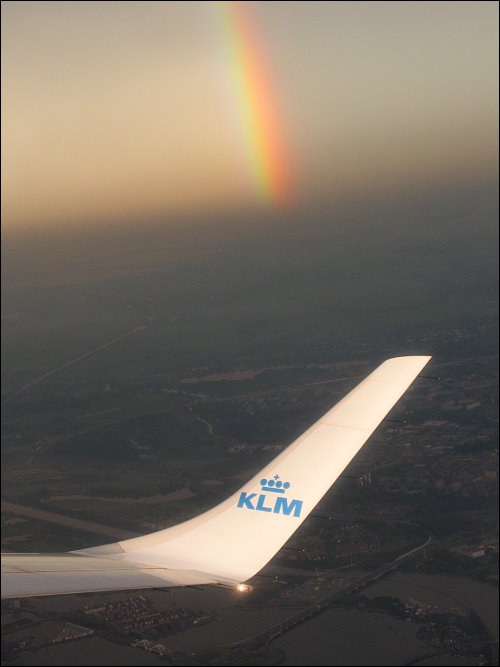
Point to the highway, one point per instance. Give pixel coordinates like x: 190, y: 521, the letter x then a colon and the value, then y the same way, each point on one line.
x: 265, y: 638
x: 63, y: 520
x: 91, y: 352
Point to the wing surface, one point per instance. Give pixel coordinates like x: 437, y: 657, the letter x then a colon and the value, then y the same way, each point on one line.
x: 25, y: 575
x: 233, y: 541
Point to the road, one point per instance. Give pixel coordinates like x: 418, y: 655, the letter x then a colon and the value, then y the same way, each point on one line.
x: 62, y: 520
x: 91, y: 352
x: 265, y: 638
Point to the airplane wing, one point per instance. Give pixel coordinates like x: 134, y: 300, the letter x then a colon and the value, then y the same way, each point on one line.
x: 233, y: 541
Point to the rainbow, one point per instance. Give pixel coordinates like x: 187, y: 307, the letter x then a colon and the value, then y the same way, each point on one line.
x: 269, y: 164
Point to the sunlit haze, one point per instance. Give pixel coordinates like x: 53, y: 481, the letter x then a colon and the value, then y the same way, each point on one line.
x: 117, y: 111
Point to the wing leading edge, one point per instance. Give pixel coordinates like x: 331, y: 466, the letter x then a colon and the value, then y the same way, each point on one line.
x: 234, y: 540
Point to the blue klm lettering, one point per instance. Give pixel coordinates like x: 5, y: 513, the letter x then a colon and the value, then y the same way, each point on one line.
x: 281, y: 505
x: 246, y: 501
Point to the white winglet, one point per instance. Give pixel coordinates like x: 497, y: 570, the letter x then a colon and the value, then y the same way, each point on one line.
x: 233, y: 541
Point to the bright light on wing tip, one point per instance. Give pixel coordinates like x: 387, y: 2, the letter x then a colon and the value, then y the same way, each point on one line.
x: 244, y: 588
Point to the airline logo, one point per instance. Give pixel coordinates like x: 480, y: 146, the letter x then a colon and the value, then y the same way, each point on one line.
x: 271, y: 499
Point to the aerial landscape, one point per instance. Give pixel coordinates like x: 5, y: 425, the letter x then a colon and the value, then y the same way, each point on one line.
x: 157, y: 352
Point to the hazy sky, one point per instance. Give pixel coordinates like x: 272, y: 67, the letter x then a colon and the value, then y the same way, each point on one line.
x: 116, y: 110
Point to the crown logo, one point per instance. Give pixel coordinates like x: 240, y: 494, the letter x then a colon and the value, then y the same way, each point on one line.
x: 274, y: 485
